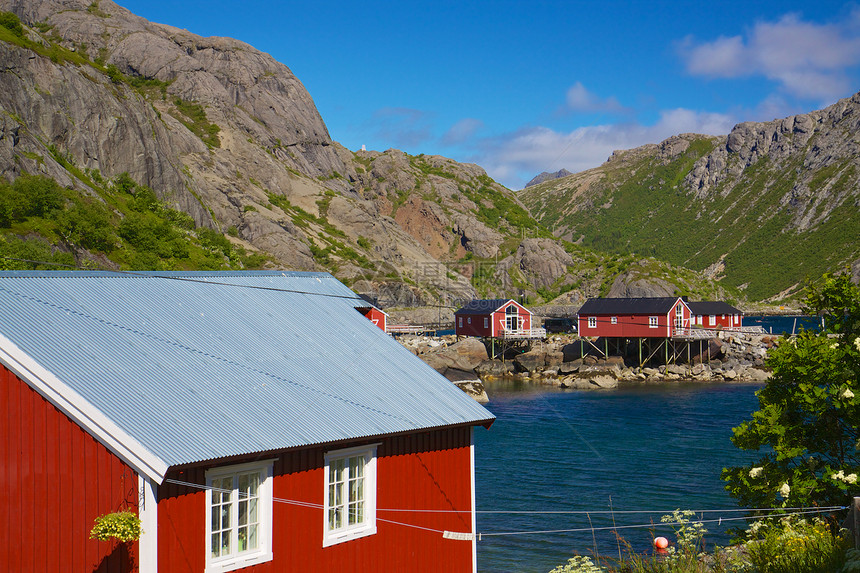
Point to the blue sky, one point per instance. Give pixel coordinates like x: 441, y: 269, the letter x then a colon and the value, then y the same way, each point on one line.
x: 525, y: 87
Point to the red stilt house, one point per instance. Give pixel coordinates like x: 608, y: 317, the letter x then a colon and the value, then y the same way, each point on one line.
x: 656, y: 317
x: 716, y: 314
x: 253, y: 421
x: 493, y: 318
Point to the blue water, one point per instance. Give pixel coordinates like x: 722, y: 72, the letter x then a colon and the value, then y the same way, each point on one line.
x: 783, y: 324
x: 653, y: 448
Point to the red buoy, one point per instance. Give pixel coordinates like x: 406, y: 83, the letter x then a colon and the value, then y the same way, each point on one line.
x: 661, y: 542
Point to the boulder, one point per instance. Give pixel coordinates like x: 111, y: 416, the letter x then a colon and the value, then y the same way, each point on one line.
x: 475, y: 389
x: 464, y: 355
x: 570, y: 367
x: 531, y: 361
x: 495, y: 368
x: 756, y: 374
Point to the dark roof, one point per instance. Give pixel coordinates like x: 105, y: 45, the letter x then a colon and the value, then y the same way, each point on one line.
x: 712, y: 307
x: 650, y: 305
x: 483, y: 306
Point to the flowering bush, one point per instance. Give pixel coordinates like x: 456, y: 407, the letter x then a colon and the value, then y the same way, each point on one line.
x: 579, y: 564
x: 796, y: 546
x: 123, y: 525
x: 809, y: 411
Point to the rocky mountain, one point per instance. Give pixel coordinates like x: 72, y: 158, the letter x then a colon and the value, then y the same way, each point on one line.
x: 546, y: 176
x: 223, y: 132
x: 159, y: 149
x: 760, y: 210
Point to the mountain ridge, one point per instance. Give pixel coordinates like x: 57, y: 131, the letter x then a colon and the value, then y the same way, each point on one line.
x: 763, y: 209
x: 90, y: 94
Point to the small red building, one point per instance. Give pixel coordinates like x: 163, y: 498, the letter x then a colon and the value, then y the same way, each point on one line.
x: 374, y: 315
x: 716, y: 314
x: 492, y: 318
x: 655, y: 317
x: 243, y: 438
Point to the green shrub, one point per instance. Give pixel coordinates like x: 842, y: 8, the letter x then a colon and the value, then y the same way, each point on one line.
x: 11, y: 22
x: 86, y: 225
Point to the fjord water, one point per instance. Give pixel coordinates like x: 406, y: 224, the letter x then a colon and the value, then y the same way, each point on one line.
x: 654, y: 448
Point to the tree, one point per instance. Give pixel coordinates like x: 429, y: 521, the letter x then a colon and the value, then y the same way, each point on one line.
x: 807, y: 423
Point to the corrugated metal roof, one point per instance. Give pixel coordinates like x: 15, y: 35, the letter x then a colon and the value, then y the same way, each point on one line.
x: 644, y: 305
x: 482, y: 306
x: 198, y: 366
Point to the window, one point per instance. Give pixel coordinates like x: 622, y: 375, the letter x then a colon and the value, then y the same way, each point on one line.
x: 614, y: 320
x: 486, y: 322
x: 592, y: 322
x: 239, y: 521
x: 679, y: 310
x: 350, y: 494
x: 469, y: 319
x: 652, y: 322
x: 461, y: 322
x: 713, y: 319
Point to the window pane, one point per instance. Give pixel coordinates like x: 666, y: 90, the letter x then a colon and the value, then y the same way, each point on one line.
x: 243, y: 513
x: 252, y: 512
x: 253, y: 537
x: 215, y: 546
x: 242, y: 544
x: 225, y: 543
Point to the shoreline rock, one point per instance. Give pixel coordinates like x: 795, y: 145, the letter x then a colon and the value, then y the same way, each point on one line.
x: 565, y: 362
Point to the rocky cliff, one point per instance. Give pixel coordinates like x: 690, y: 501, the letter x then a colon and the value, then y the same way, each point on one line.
x: 222, y: 131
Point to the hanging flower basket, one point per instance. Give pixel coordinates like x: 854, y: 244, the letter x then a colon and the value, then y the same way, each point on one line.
x: 122, y: 525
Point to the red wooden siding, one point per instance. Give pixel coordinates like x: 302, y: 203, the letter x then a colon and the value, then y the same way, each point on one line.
x: 374, y: 315
x: 429, y: 470
x: 473, y: 325
x: 55, y: 479
x: 724, y: 321
x: 635, y: 325
x: 495, y: 321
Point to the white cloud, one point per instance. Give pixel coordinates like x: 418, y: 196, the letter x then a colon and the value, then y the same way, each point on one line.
x: 807, y: 59
x: 462, y: 131
x: 579, y: 99
x: 514, y: 158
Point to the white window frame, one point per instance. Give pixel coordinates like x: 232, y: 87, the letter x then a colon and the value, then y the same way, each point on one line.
x: 469, y: 319
x: 368, y: 525
x: 712, y: 320
x: 461, y: 321
x: 653, y: 322
x: 486, y: 322
x: 614, y: 320
x: 263, y: 553
x: 592, y: 322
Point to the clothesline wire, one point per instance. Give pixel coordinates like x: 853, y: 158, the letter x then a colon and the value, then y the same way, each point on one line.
x: 771, y: 512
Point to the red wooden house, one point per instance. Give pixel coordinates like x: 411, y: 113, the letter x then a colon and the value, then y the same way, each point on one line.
x: 655, y: 317
x: 253, y: 421
x: 716, y: 314
x: 492, y: 318
x: 374, y: 315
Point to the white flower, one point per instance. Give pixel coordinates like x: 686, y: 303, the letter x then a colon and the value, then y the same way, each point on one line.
x: 857, y: 343
x: 851, y: 478
x: 838, y: 475
x: 755, y: 472
x: 834, y: 346
x: 784, y: 490
x: 846, y: 394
